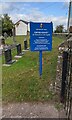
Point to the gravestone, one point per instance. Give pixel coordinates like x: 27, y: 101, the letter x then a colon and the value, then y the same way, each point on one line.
x: 19, y: 51
x: 25, y: 44
x: 8, y: 57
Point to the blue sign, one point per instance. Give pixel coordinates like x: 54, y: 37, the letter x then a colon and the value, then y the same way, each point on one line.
x: 41, y: 39
x: 41, y: 36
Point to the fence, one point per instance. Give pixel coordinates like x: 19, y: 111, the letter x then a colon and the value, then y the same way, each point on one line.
x: 66, y: 83
x: 66, y: 86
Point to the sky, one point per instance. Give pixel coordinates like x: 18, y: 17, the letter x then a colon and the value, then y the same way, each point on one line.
x: 57, y: 12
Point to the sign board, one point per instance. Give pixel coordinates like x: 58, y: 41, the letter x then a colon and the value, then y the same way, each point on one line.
x: 41, y: 36
x: 41, y: 39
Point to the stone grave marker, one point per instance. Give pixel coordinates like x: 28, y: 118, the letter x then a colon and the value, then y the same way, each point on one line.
x: 8, y: 57
x: 19, y: 51
x: 25, y: 45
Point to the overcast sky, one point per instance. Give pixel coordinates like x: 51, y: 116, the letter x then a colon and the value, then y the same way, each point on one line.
x: 57, y: 12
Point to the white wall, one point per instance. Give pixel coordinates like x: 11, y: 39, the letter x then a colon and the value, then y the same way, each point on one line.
x: 21, y: 29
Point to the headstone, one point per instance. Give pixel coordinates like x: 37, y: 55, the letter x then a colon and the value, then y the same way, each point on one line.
x: 19, y: 51
x: 8, y: 57
x: 25, y: 44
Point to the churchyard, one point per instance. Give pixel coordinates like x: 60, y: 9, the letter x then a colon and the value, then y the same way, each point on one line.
x: 21, y: 81
x: 36, y: 62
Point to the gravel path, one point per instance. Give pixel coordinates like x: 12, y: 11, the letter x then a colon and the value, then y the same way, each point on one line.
x: 31, y: 110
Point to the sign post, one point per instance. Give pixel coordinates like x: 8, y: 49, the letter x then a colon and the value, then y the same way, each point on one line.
x: 40, y: 61
x: 41, y: 39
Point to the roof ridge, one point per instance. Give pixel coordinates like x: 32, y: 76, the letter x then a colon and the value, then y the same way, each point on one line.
x: 22, y: 21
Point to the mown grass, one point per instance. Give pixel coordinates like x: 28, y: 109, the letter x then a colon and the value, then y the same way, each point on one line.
x: 21, y: 81
x: 18, y: 39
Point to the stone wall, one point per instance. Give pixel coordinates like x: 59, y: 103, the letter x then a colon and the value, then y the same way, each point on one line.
x: 62, y: 47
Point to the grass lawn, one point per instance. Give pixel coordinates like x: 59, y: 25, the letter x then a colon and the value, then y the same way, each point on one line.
x: 21, y: 81
x: 19, y: 39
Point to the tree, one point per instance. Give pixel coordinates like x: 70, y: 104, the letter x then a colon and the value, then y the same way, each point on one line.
x: 7, y: 25
x: 59, y: 29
